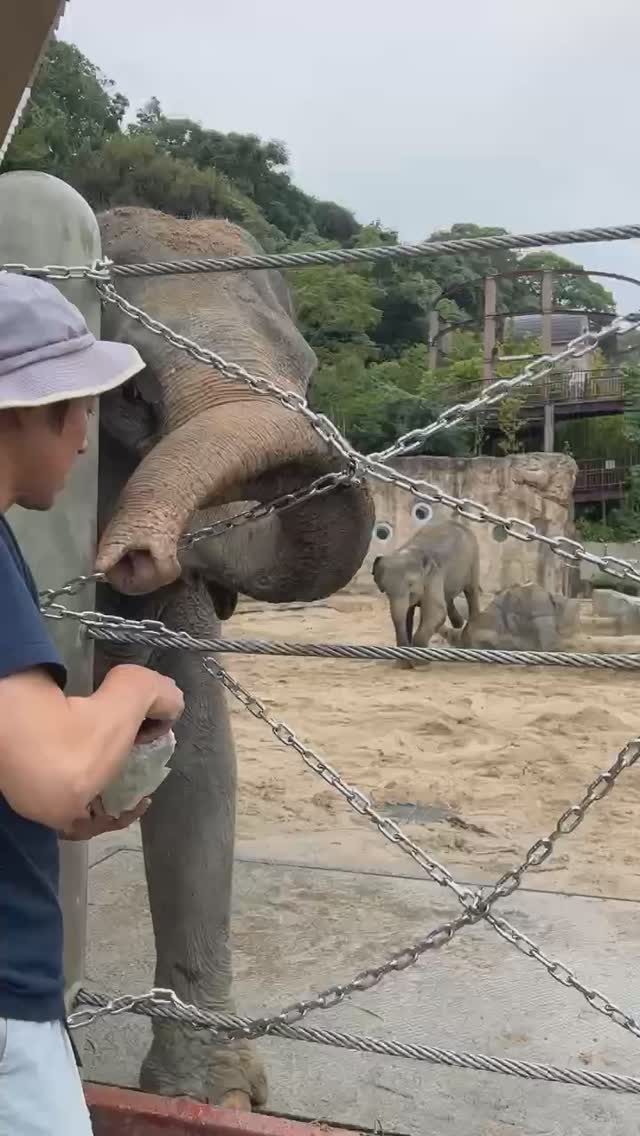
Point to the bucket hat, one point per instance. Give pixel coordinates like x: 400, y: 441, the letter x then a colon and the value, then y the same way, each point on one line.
x: 47, y: 353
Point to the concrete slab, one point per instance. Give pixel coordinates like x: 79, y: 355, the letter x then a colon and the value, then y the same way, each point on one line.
x: 297, y: 929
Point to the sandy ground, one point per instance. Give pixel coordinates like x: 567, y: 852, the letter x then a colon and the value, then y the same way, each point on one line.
x: 480, y: 759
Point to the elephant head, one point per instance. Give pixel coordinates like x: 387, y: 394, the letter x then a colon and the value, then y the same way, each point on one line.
x: 182, y: 438
x: 401, y: 577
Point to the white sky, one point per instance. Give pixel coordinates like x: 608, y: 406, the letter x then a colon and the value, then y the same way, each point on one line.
x: 415, y: 113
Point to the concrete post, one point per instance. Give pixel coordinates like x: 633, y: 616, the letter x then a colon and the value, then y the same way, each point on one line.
x: 44, y: 221
x: 489, y: 328
x: 549, y: 427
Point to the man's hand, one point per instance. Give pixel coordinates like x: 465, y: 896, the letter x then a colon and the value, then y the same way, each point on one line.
x: 97, y: 821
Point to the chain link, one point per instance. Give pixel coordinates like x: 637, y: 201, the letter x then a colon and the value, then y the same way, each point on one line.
x: 99, y: 270
x: 599, y: 788
x: 477, y: 904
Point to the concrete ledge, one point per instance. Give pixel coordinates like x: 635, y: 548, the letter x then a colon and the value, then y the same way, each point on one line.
x: 121, y: 1112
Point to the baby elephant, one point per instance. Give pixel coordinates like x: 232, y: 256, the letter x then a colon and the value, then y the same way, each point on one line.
x: 428, y: 572
x: 525, y: 617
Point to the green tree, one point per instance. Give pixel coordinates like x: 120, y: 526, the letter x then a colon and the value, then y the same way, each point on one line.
x: 371, y: 411
x: 72, y: 111
x: 573, y: 292
x: 132, y: 170
x: 335, y: 308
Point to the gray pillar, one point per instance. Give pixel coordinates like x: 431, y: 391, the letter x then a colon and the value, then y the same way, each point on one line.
x: 547, y: 345
x: 44, y: 221
x: 549, y: 427
x: 489, y: 328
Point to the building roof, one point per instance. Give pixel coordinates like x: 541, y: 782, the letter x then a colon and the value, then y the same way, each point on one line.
x: 565, y: 326
x: 25, y: 29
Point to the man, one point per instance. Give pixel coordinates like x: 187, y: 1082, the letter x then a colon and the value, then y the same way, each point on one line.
x: 56, y: 753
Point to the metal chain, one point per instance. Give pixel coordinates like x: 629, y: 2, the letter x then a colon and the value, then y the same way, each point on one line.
x: 99, y: 270
x: 495, y: 392
x: 166, y: 1006
x: 597, y: 790
x: 324, y: 257
x: 476, y: 903
x: 318, y: 488
x: 325, y: 1000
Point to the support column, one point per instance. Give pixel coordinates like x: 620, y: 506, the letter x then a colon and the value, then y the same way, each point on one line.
x: 44, y: 221
x: 434, y: 327
x: 547, y: 347
x: 489, y: 329
x: 549, y: 427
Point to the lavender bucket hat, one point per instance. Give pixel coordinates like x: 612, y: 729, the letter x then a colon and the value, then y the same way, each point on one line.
x: 47, y: 352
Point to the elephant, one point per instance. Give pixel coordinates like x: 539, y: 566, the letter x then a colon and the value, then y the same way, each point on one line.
x: 428, y: 572
x: 181, y: 445
x: 524, y: 617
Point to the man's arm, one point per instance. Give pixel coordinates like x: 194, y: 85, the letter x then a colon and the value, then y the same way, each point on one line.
x: 58, y: 753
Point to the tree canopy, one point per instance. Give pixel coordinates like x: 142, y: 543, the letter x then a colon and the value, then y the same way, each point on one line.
x: 369, y: 324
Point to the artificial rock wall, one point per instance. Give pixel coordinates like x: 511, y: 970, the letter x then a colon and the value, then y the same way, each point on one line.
x: 537, y: 487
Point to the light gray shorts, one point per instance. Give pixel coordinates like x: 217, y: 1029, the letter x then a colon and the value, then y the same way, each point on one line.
x: 40, y: 1088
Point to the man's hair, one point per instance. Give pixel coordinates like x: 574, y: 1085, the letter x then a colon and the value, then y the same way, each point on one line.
x: 58, y: 413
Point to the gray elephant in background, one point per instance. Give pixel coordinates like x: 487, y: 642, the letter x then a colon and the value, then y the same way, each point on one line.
x: 428, y: 572
x: 525, y: 617
x: 179, y: 445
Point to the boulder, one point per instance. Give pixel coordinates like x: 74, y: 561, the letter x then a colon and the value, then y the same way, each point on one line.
x: 526, y: 617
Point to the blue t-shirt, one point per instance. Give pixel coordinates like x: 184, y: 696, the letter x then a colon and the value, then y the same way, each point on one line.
x: 31, y: 982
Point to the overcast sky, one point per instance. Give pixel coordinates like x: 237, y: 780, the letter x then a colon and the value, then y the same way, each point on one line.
x: 416, y: 113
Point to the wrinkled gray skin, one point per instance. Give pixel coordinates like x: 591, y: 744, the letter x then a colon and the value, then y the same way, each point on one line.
x: 180, y: 445
x: 525, y: 617
x: 428, y: 572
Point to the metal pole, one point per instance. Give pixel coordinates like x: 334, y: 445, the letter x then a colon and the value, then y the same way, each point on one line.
x: 547, y: 347
x: 489, y: 328
x: 434, y: 327
x: 44, y: 221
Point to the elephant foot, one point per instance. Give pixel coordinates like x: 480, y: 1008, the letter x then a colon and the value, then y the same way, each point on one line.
x: 183, y: 1062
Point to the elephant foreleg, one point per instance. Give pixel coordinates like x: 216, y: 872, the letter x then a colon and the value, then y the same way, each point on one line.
x: 188, y: 836
x: 472, y: 596
x: 455, y: 619
x: 411, y: 611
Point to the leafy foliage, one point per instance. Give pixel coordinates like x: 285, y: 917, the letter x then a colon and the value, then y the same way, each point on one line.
x: 73, y: 110
x: 578, y: 293
x: 369, y: 324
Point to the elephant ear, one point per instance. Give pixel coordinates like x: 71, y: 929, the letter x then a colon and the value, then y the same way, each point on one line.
x: 224, y: 600
x: 373, y: 572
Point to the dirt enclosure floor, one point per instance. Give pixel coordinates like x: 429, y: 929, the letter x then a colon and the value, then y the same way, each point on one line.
x: 474, y: 761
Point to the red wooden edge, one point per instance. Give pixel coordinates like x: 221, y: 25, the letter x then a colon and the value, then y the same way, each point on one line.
x: 122, y: 1112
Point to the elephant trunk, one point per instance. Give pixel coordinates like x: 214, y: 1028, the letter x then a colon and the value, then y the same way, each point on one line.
x: 239, y: 451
